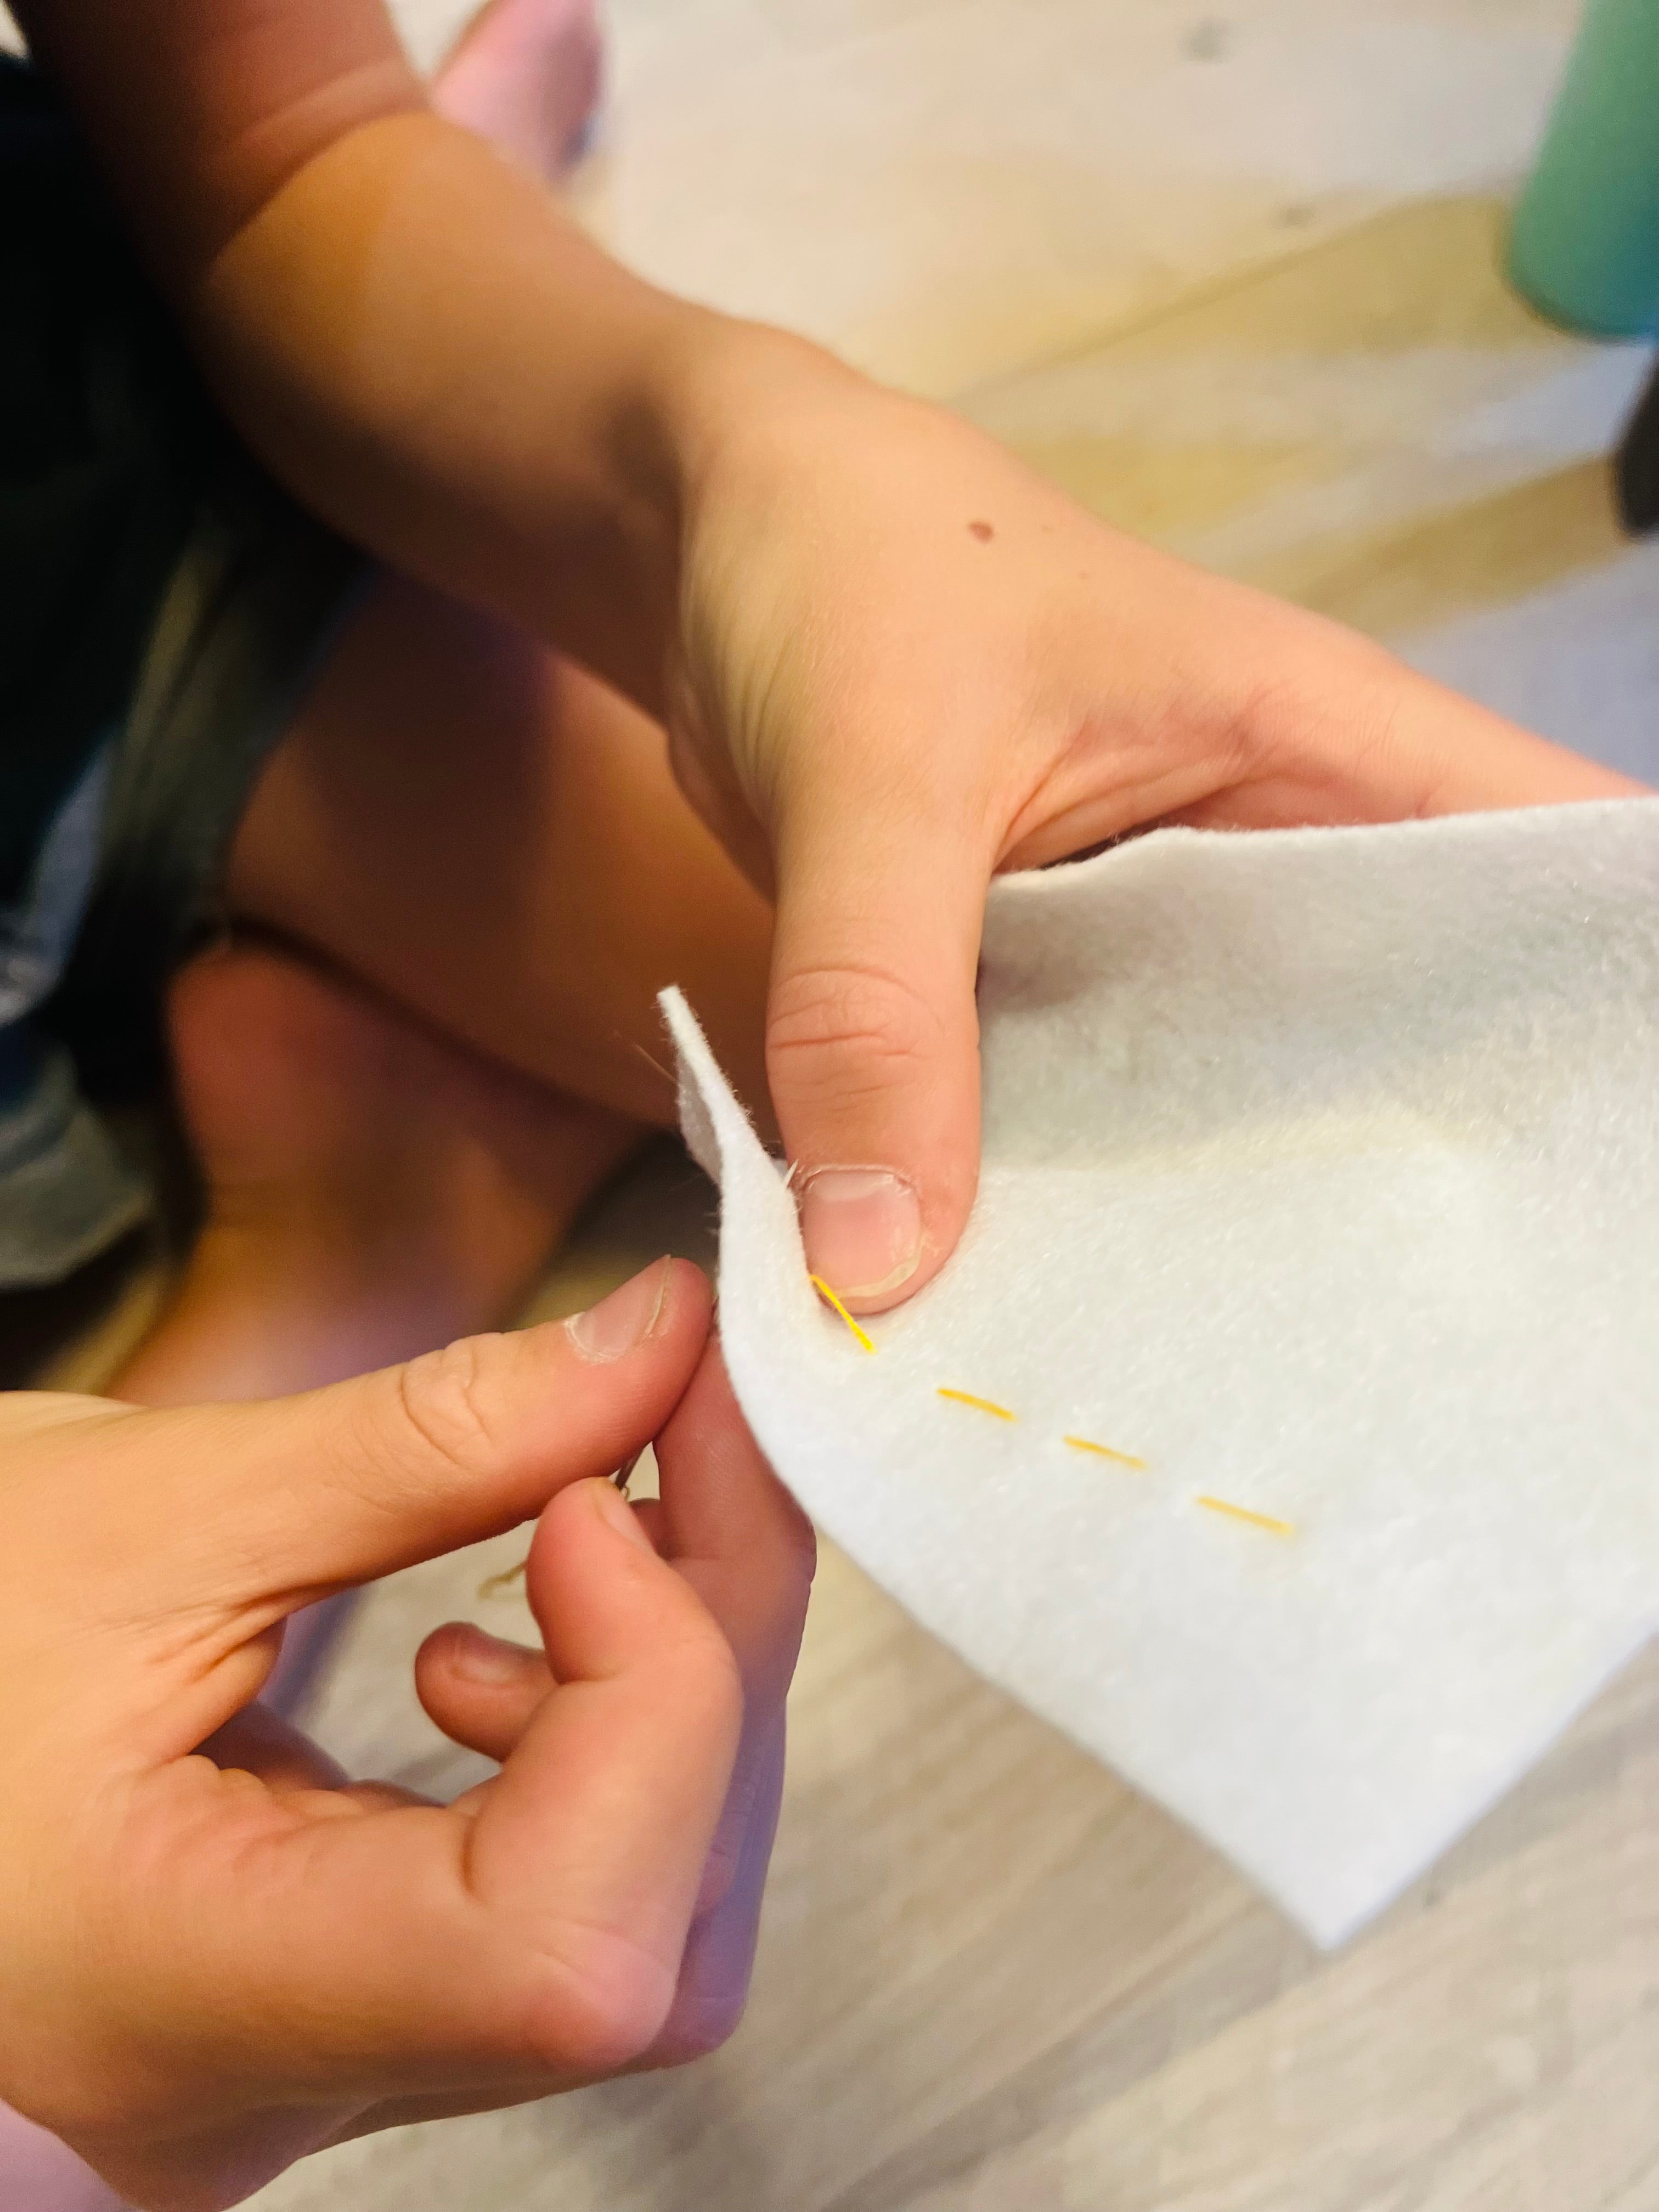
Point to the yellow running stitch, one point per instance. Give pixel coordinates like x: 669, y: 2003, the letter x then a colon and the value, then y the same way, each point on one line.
x: 829, y: 1298
x: 1104, y: 1451
x: 981, y: 1405
x: 1268, y: 1520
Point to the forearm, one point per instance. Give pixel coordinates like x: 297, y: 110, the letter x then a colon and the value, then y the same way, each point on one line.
x: 406, y: 329
x: 414, y: 338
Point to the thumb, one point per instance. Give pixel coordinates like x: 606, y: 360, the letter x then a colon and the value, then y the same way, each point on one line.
x: 872, y: 1041
x: 284, y: 1501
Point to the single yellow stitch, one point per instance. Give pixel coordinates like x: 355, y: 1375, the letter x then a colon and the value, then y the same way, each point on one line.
x: 982, y: 1404
x: 1242, y: 1513
x: 829, y: 1298
x: 1105, y: 1451
x: 499, y: 1585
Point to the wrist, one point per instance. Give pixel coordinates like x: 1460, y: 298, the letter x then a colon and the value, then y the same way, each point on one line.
x: 734, y: 389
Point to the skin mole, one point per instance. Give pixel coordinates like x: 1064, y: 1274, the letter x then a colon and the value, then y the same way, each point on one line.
x: 982, y: 530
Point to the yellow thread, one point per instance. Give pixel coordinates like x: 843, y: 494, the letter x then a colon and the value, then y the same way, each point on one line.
x: 499, y: 1585
x: 1242, y: 1513
x: 982, y: 1404
x: 1105, y: 1451
x: 829, y: 1298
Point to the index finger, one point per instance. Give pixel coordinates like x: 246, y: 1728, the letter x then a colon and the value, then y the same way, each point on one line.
x: 731, y: 1528
x: 284, y: 1501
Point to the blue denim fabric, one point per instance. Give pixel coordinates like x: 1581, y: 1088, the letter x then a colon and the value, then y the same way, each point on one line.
x: 65, y: 1192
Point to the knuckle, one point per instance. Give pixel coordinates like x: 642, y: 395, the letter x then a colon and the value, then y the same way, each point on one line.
x: 782, y: 1613
x: 1308, y: 708
x: 822, y: 1022
x: 603, y: 1996
x: 602, y: 2001
x: 446, y: 1406
x: 700, y: 1673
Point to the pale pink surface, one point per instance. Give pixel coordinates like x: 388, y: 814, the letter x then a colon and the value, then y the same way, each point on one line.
x: 40, y: 2174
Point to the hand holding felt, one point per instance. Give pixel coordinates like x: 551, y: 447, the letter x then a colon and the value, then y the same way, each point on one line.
x: 1322, y: 1173
x: 905, y: 662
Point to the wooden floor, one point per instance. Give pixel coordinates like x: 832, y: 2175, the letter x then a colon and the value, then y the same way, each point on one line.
x: 1229, y: 272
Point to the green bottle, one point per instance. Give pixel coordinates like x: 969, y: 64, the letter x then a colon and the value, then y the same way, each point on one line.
x: 1584, y: 244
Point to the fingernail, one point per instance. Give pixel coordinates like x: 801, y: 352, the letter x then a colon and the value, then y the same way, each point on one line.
x: 862, y: 1228
x: 626, y: 1318
x: 613, y: 1508
x: 484, y: 1658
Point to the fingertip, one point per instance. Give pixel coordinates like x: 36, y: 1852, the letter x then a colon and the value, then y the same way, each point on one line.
x: 882, y: 1127
x: 873, y: 1051
x: 660, y: 1302
x: 481, y: 1690
x: 461, y: 1651
x: 691, y: 1295
x: 720, y: 1495
x: 874, y: 1238
x: 648, y: 1512
x: 861, y: 1227
x: 617, y: 1515
x: 583, y: 1513
x: 600, y: 1594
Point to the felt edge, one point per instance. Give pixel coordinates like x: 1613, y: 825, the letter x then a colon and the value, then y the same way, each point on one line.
x: 1636, y: 815
x: 713, y: 1119
x: 691, y: 1048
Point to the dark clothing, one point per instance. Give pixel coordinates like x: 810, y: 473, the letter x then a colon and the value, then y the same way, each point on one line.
x: 162, y: 605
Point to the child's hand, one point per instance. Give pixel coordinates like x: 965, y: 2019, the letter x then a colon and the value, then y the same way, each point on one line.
x: 215, y: 1964
x: 892, y: 661
x: 905, y: 662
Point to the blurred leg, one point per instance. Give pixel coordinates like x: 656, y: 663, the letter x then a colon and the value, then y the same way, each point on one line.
x: 493, y: 840
x: 527, y: 75
x: 371, y: 1189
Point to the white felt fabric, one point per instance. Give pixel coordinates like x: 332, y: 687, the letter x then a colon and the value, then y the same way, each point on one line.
x: 1321, y: 1171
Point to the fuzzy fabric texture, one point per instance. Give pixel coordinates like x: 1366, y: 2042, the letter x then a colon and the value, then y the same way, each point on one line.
x: 1320, y: 1174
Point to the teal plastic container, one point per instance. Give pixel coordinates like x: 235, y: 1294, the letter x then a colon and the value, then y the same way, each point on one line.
x: 1584, y: 243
